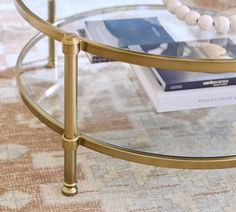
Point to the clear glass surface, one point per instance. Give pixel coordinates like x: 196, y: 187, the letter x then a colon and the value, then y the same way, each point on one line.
x: 114, y: 108
x: 158, y: 32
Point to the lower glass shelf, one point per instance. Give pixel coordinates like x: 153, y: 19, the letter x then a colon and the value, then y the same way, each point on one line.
x: 113, y: 108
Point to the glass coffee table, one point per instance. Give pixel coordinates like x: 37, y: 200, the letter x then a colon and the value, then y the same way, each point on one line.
x: 103, y: 106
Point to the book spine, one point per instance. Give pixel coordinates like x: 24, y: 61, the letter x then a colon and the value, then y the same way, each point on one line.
x: 99, y: 59
x: 197, y: 100
x: 200, y: 84
x: 93, y: 58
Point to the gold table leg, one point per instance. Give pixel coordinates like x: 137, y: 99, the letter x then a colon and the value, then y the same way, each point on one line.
x: 70, y: 137
x: 51, y: 42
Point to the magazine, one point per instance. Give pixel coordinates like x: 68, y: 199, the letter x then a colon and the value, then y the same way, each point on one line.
x: 125, y: 32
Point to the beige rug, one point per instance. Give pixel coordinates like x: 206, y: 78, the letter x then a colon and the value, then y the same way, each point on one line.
x: 31, y: 159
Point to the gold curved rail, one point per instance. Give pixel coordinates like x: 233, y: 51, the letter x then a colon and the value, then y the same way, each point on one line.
x: 123, y: 55
x: 155, y: 159
x: 34, y: 107
x: 43, y: 26
x: 162, y: 62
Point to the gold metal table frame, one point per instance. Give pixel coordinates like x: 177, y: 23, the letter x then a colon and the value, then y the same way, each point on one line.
x: 72, y: 44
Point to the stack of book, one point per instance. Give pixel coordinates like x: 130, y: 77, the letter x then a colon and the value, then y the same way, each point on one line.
x: 170, y: 90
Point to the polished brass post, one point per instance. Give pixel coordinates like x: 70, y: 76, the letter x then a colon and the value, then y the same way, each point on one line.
x: 70, y: 137
x: 51, y: 42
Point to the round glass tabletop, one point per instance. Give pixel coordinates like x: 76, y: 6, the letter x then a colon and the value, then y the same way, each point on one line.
x: 112, y: 105
x: 150, y: 29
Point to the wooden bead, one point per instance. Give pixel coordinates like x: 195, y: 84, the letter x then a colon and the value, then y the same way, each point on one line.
x: 222, y: 24
x: 192, y: 17
x: 181, y: 12
x: 205, y: 22
x: 172, y: 5
x: 233, y: 23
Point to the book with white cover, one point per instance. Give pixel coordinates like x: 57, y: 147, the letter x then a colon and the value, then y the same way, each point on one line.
x: 184, y: 99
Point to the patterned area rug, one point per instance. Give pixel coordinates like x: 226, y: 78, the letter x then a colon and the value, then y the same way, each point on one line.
x: 31, y: 159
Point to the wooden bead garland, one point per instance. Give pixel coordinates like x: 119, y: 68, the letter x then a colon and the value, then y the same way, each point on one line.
x: 222, y: 24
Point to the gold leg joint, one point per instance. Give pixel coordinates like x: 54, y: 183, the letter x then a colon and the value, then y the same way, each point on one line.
x: 70, y: 144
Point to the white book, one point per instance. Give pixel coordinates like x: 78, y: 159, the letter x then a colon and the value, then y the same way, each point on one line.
x: 184, y: 99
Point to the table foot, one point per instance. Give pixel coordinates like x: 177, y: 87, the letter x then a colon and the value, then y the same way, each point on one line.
x: 70, y: 189
x: 70, y: 183
x: 51, y: 63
